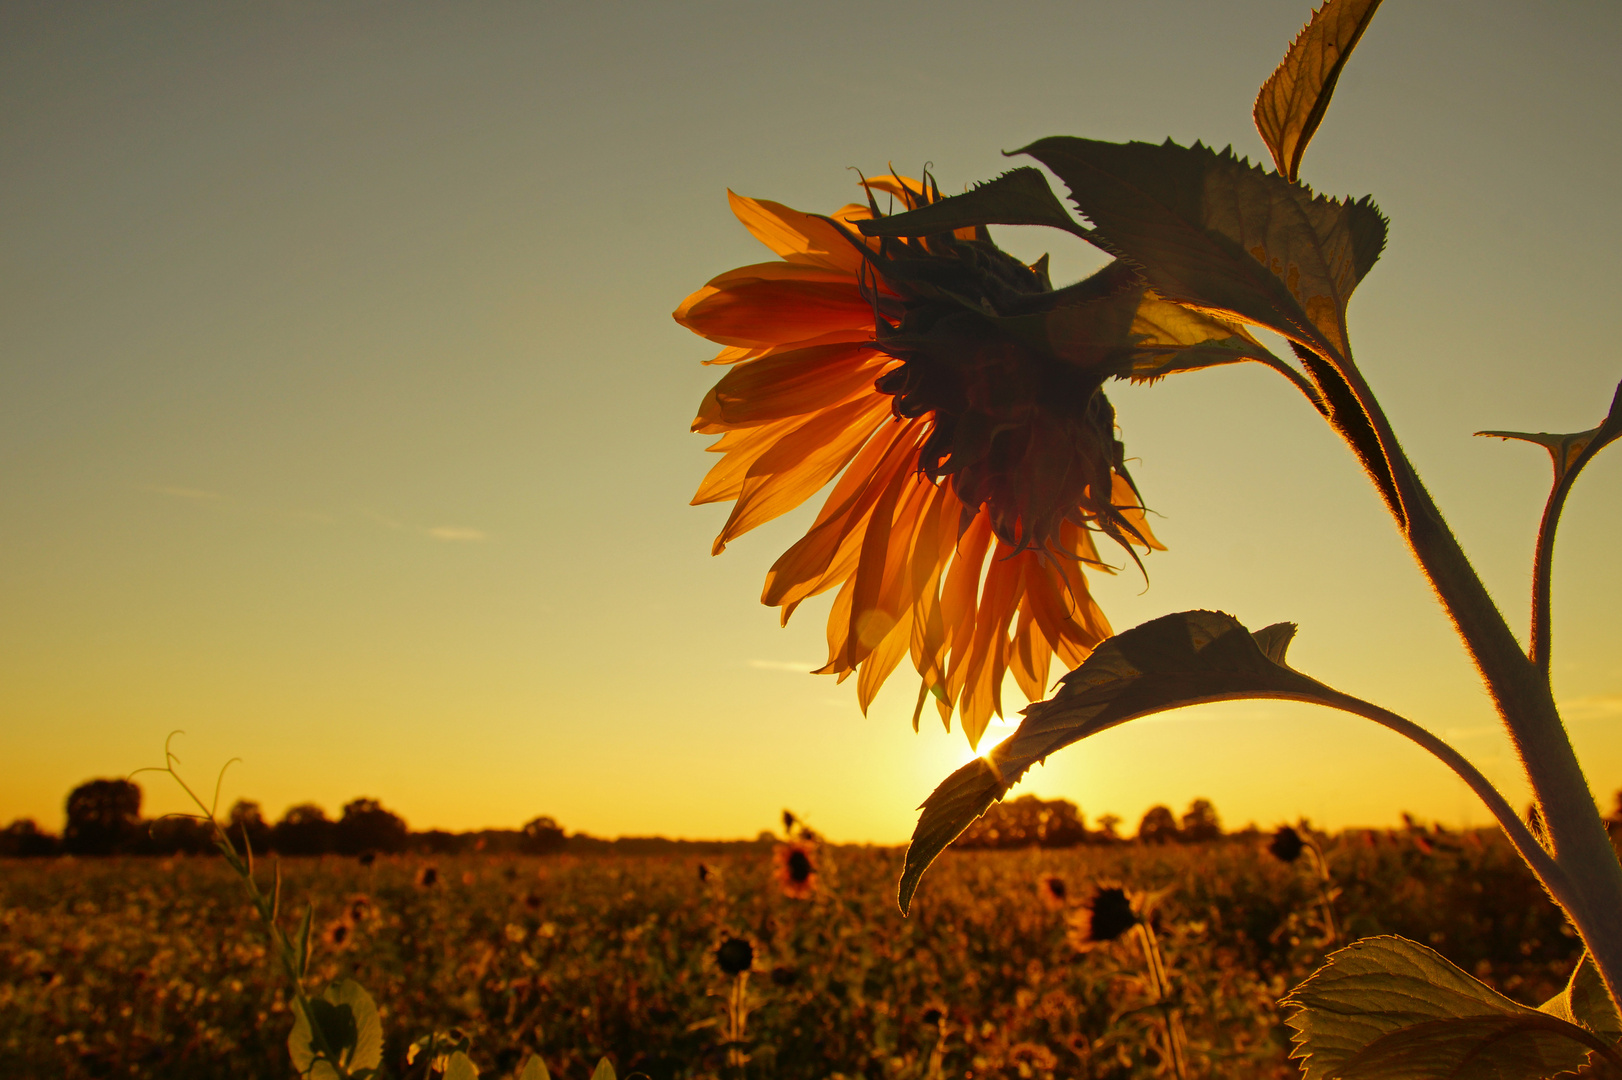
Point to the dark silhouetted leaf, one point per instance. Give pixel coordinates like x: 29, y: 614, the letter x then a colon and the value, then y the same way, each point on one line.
x: 1571, y: 452
x: 1386, y: 1008
x: 1176, y: 660
x: 1018, y: 197
x: 1211, y: 231
x: 1293, y: 100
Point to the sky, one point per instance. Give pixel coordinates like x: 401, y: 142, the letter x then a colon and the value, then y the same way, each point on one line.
x: 344, y: 426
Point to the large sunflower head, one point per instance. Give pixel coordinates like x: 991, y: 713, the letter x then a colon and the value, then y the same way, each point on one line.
x: 972, y: 457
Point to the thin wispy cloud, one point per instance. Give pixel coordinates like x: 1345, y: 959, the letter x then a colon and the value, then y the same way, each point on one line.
x: 456, y: 532
x: 181, y: 492
x: 1593, y: 707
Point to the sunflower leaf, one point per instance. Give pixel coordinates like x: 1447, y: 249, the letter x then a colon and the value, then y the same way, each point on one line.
x: 349, y: 1025
x: 1170, y: 662
x: 460, y: 1067
x: 604, y: 1071
x: 1018, y: 197
x: 1293, y: 100
x: 1571, y: 452
x: 1386, y: 1008
x: 1585, y: 1001
x: 1214, y: 232
x: 535, y: 1069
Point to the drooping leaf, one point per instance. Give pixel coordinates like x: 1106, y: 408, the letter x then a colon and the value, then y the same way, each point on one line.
x: 461, y: 1067
x: 1294, y: 98
x: 1585, y: 1001
x: 347, y: 1018
x: 604, y: 1071
x: 1473, y: 1048
x: 1170, y: 338
x: 1187, y: 658
x: 535, y: 1069
x: 1385, y: 1008
x: 1211, y: 231
x: 1571, y: 452
x: 1018, y: 197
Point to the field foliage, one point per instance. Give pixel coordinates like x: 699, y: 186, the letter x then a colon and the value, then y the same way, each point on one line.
x: 157, y: 968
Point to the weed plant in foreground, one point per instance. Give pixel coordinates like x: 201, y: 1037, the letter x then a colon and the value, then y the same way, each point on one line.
x: 157, y: 968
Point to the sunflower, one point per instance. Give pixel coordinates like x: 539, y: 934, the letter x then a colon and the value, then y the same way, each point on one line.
x: 794, y: 870
x: 972, y: 465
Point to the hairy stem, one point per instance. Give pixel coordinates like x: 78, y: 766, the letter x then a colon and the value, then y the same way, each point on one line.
x: 1542, y: 570
x: 1591, y: 889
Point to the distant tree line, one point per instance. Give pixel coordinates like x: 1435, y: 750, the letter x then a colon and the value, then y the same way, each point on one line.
x: 1029, y: 821
x: 104, y: 818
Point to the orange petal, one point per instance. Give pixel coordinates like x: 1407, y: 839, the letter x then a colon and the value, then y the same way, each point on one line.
x: 742, y: 448
x: 767, y: 312
x: 797, y: 237
x: 1126, y: 502
x: 880, y: 663
x: 800, y: 463
x: 795, y: 382
x: 798, y: 572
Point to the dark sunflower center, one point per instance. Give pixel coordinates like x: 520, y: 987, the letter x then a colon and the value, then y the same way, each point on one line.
x: 1112, y: 915
x: 799, y: 867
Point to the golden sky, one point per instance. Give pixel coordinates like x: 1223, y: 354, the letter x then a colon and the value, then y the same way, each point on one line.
x: 343, y: 423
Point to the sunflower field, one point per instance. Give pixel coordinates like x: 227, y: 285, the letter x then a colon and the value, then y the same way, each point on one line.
x: 794, y: 965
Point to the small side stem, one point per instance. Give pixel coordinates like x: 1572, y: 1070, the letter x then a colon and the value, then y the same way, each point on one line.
x: 1520, y: 836
x: 1162, y: 987
x: 1542, y: 571
x: 1325, y: 901
x: 1590, y: 884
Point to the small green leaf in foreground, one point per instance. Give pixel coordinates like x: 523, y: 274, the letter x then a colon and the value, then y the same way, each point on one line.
x: 1183, y: 659
x: 535, y: 1069
x: 1293, y: 100
x: 605, y: 1071
x: 1386, y: 1008
x: 348, y: 1021
x: 461, y: 1067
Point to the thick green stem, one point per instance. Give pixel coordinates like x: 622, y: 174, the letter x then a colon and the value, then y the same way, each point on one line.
x: 1577, y: 838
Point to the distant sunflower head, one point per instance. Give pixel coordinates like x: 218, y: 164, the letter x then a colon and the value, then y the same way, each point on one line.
x: 1052, y: 891
x: 1109, y: 913
x: 960, y: 418
x: 735, y: 956
x: 1286, y: 845
x: 427, y: 877
x: 338, y: 934
x: 794, y: 869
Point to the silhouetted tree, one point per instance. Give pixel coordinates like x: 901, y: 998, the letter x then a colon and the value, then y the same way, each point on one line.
x: 246, y: 819
x: 1109, y: 828
x: 176, y: 835
x: 304, y: 830
x: 104, y: 816
x: 22, y: 839
x: 542, y: 836
x: 1025, y: 822
x: 1201, y: 822
x: 367, y: 826
x: 1159, y: 826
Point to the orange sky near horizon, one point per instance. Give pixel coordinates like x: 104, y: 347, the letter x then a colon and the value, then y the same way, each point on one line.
x: 344, y: 426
